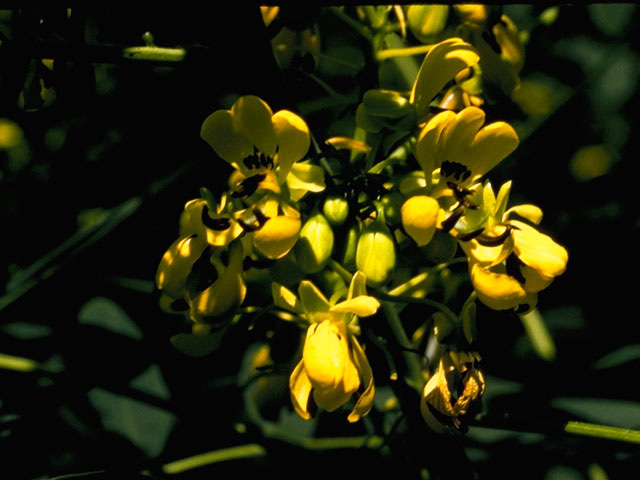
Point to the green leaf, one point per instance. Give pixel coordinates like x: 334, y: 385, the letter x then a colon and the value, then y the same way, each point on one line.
x: 611, y: 19
x: 104, y: 312
x: 197, y: 345
x: 618, y: 357
x: 606, y: 411
x: 145, y: 426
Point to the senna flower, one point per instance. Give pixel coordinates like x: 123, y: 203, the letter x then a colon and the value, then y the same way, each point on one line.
x: 462, y: 147
x: 226, y: 293
x: 510, y: 261
x: 452, y: 390
x: 334, y: 367
x: 218, y: 227
x: 264, y: 148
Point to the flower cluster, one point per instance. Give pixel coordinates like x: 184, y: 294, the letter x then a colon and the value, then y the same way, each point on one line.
x: 385, y: 219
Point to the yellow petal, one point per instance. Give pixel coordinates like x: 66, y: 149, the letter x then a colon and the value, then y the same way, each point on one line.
x: 538, y: 250
x: 488, y: 256
x: 314, y: 303
x: 365, y: 400
x: 534, y: 282
x: 285, y: 298
x: 293, y: 138
x: 252, y: 118
x: 362, y: 306
x: 226, y: 293
x: 436, y: 394
x: 191, y: 218
x: 420, y: 217
x: 528, y: 211
x: 327, y: 361
x: 358, y: 285
x: 176, y: 264
x: 303, y: 178
x: 429, y: 151
x: 219, y: 132
x: 459, y: 135
x: 492, y: 144
x: 440, y: 65
x: 300, y: 387
x: 496, y: 290
x: 277, y: 236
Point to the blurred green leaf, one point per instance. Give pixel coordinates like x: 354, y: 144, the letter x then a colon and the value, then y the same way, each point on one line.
x: 197, y: 345
x: 145, y: 426
x: 618, y: 357
x: 150, y: 381
x: 26, y: 331
x: 606, y: 411
x: 611, y: 18
x: 104, y: 312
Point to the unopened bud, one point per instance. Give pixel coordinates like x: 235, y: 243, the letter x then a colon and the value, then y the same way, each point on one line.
x: 315, y: 244
x: 376, y: 252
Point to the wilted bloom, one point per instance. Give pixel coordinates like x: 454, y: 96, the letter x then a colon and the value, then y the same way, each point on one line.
x: 334, y: 366
x: 452, y: 390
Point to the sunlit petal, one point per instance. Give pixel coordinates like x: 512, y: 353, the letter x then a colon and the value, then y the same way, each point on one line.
x: 293, y: 139
x: 490, y: 146
x: 252, y: 118
x: 219, y: 132
x: 365, y: 400
x: 277, y: 236
x: 300, y: 387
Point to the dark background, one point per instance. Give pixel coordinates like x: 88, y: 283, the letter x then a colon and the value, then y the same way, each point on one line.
x: 121, y: 142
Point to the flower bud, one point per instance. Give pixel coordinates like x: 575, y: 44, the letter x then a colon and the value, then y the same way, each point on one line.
x: 392, y: 204
x: 336, y: 210
x: 427, y: 21
x: 376, y: 252
x: 315, y: 245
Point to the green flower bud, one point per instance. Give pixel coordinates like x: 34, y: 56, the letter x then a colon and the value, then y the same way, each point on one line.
x: 441, y: 248
x: 315, y: 245
x: 376, y: 251
x: 392, y: 204
x: 386, y: 103
x: 427, y: 21
x: 336, y: 210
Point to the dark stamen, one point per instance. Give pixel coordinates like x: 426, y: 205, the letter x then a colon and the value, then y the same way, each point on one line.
x: 489, y: 241
x: 248, y: 186
x: 450, y: 222
x: 214, y: 223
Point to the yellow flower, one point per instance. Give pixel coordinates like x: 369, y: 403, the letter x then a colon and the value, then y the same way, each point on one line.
x: 334, y: 366
x: 510, y: 261
x: 461, y: 147
x: 226, y: 293
x: 217, y: 227
x: 458, y: 373
x: 264, y: 147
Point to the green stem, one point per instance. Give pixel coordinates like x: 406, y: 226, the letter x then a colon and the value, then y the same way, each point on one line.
x: 422, y: 301
x: 402, y: 52
x: 413, y: 361
x: 154, y: 54
x: 603, y: 431
x: 357, y: 26
x: 250, y: 450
